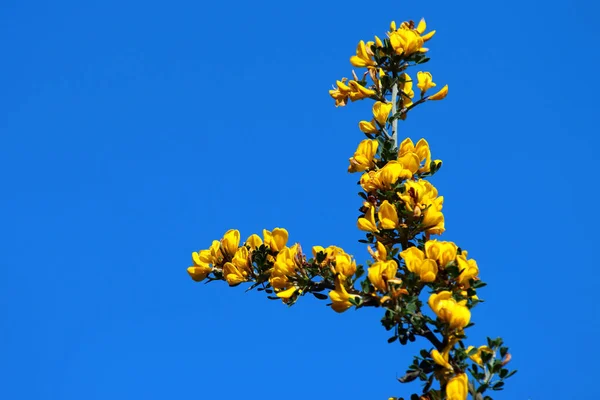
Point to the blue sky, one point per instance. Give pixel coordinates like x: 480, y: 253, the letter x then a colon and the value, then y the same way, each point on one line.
x: 132, y: 134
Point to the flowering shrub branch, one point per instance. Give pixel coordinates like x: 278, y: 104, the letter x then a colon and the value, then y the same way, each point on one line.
x: 401, y: 210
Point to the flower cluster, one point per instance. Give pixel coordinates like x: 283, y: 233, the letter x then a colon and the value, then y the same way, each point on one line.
x: 426, y: 286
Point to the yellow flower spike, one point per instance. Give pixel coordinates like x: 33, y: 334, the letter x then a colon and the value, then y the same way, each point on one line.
x: 381, y: 111
x: 457, y: 387
x: 362, y: 58
x: 340, y: 297
x: 364, y: 156
x: 233, y: 275
x: 439, y: 95
x: 345, y: 265
x: 368, y: 126
x: 388, y: 215
x: 441, y: 359
x: 425, y: 81
x: 380, y: 272
x: 477, y: 356
x: 230, y: 242
x: 367, y: 223
x: 441, y: 252
x: 254, y: 241
x: 277, y: 239
x: 468, y: 269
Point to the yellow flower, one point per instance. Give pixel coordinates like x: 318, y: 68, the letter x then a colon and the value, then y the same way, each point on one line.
x: 382, y: 271
x: 457, y: 387
x: 341, y: 93
x: 416, y: 262
x: 441, y: 359
x: 215, y: 253
x: 345, y: 265
x: 421, y: 198
x: 201, y: 267
x: 441, y: 252
x: 421, y: 150
x: 234, y: 275
x: 242, y: 260
x: 388, y: 215
x: 277, y: 239
x: 283, y: 267
x: 340, y: 297
x: 380, y: 254
x: 286, y: 294
x: 425, y: 81
x: 330, y: 252
x: 359, y: 92
x: 477, y: 356
x: 367, y: 223
x: 230, y: 242
x: 368, y: 126
x: 254, y: 241
x: 392, y: 172
x: 454, y: 313
x: 364, y: 156
x: 406, y: 41
x: 381, y: 111
x: 362, y: 57
x: 468, y: 269
x: 439, y: 95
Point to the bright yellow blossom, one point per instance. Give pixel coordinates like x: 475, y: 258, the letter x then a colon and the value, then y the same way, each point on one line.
x: 201, y: 267
x: 254, y: 241
x: 283, y: 268
x: 421, y: 198
x: 425, y: 81
x: 277, y: 239
x: 340, y: 297
x: 230, y: 242
x: 439, y: 95
x: 362, y: 57
x: 367, y: 223
x: 406, y: 41
x: 468, y: 269
x: 382, y: 271
x: 368, y: 126
x: 388, y: 215
x: 441, y: 252
x: 364, y: 156
x: 477, y: 356
x: 330, y: 252
x: 345, y: 265
x: 457, y: 387
x: 352, y: 90
x: 381, y: 111
x: 421, y: 149
x: 441, y: 358
x: 417, y: 263
x: 455, y: 314
x: 380, y: 254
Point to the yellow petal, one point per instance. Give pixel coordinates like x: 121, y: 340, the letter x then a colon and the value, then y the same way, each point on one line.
x: 440, y: 95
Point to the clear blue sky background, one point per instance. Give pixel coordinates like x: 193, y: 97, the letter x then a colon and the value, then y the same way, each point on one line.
x: 133, y: 133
